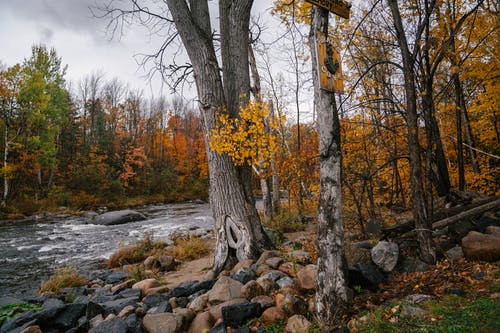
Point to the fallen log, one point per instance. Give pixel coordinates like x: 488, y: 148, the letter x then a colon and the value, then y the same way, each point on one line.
x: 447, y: 214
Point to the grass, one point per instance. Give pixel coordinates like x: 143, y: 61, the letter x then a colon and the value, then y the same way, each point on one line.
x: 12, y: 310
x: 63, y: 278
x: 452, y: 314
x: 189, y: 248
x: 135, y: 254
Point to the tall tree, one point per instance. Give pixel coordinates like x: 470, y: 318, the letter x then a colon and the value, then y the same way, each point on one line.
x: 332, y: 291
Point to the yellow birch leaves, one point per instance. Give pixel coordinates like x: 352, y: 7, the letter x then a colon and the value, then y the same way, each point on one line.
x: 249, y: 139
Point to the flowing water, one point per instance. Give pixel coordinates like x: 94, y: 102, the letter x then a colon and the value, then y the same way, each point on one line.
x: 30, y: 250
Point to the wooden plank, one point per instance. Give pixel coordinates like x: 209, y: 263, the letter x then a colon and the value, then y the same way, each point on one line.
x: 328, y: 81
x: 338, y: 7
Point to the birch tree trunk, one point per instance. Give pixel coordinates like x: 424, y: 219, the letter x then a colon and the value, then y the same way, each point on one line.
x: 332, y: 291
x: 239, y: 232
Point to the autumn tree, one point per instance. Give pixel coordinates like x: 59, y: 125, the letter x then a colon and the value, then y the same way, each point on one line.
x: 239, y: 232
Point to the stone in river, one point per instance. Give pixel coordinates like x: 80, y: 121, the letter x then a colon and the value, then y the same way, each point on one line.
x: 118, y: 217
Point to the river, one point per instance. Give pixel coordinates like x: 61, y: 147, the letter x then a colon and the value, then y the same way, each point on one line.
x: 30, y: 250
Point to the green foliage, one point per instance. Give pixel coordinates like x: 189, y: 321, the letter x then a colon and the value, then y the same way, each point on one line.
x: 12, y: 310
x: 64, y: 277
x: 276, y: 327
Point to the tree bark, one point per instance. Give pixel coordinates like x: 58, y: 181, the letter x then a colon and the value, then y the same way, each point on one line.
x: 239, y: 232
x: 419, y: 208
x: 332, y: 291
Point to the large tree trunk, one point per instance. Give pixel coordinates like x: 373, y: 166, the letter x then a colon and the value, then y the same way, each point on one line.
x: 419, y: 208
x: 332, y: 291
x: 239, y: 232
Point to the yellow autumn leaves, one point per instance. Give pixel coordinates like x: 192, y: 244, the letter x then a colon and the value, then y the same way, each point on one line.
x: 249, y: 139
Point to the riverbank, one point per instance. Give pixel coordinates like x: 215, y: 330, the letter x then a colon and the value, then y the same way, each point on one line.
x: 274, y: 294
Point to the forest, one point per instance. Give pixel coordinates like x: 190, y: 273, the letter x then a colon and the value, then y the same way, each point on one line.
x: 408, y: 128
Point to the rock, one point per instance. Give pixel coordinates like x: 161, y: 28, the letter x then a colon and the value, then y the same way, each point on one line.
x: 118, y: 217
x: 68, y: 317
x: 264, y: 301
x: 285, y: 282
x: 134, y: 324
x: 163, y: 323
x: 115, y: 325
x: 235, y: 315
x: 186, y: 314
x: 412, y: 311
x: 365, y: 275
x: 492, y: 230
x: 297, y: 324
x: 146, y: 284
x: 488, y: 219
x: 267, y: 285
x: 110, y: 276
x: 20, y: 322
x: 121, y: 286
x: 202, y: 322
x: 418, y: 298
x: 242, y: 264
x: 461, y: 228
x: 178, y: 302
x: 126, y: 311
x: 454, y: 254
x: 261, y: 269
x: 188, y: 288
x: 94, y: 321
x: 290, y: 268
x: 199, y: 303
x: 157, y: 290
x: 244, y: 275
x: 219, y: 328
x: 167, y: 263
x: 127, y: 293
x: 151, y: 263
x: 266, y: 255
x: 274, y: 262
x: 251, y: 290
x: 163, y: 307
x: 274, y: 275
x: 153, y: 300
x: 9, y: 300
x: 273, y: 315
x: 216, y: 311
x: 307, y: 276
x: 293, y: 305
x: 412, y: 265
x: 373, y: 226
x: 225, y: 289
x: 455, y: 291
x: 385, y: 255
x: 32, y: 329
x: 301, y: 256
x: 119, y: 304
x: 478, y: 246
x: 355, y: 254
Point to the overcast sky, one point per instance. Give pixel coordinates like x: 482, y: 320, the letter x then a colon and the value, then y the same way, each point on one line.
x: 79, y: 39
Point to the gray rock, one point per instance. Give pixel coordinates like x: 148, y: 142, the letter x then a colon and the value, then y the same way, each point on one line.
x: 412, y: 265
x: 454, y: 254
x: 285, y: 282
x: 365, y: 275
x: 273, y: 275
x: 418, y: 298
x: 134, y: 324
x: 115, y: 325
x: 163, y: 323
x: 68, y: 317
x: 117, y: 305
x: 385, y: 255
x: 412, y: 311
x: 118, y: 217
x: 236, y: 315
x: 8, y: 300
x: 225, y: 289
x: 153, y: 300
x: 244, y: 275
x: 130, y: 293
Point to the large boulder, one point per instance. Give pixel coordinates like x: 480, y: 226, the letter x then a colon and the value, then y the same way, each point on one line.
x: 115, y: 325
x: 297, y: 324
x: 385, y: 255
x: 307, y: 277
x: 478, y: 246
x: 365, y: 275
x: 225, y: 289
x: 201, y: 323
x: 163, y: 323
x: 237, y: 314
x: 118, y: 217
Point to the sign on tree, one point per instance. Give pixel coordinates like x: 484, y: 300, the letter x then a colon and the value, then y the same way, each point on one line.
x: 339, y: 7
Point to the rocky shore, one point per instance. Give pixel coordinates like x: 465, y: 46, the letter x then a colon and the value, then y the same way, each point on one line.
x: 279, y: 287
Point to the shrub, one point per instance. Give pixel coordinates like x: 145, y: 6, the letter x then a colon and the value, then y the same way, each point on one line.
x: 189, y: 248
x: 63, y: 278
x: 139, y: 252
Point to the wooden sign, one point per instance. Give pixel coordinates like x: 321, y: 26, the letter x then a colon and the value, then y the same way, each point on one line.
x: 329, y: 65
x: 339, y: 7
